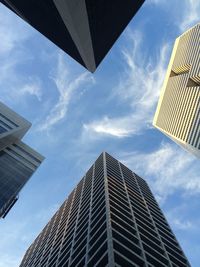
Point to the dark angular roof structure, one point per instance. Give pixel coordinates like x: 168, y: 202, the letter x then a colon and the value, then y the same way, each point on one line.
x: 84, y: 29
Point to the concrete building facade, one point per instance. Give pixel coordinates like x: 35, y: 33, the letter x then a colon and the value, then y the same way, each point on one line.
x: 178, y: 110
x: 18, y: 161
x: 111, y: 218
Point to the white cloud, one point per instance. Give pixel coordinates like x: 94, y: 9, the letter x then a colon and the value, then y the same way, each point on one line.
x: 112, y: 127
x: 156, y: 2
x: 16, y: 87
x: 7, y: 260
x: 13, y: 35
x: 179, y: 219
x: 191, y: 14
x: 141, y: 82
x: 66, y: 86
x: 139, y: 87
x: 167, y: 170
x: 180, y: 224
x: 18, y: 232
x: 15, y: 233
x: 12, y: 31
x: 32, y: 88
x: 187, y: 14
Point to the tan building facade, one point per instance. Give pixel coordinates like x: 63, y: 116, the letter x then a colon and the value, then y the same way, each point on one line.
x: 178, y: 110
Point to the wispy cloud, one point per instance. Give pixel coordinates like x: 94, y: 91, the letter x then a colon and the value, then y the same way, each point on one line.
x: 178, y: 217
x: 142, y: 79
x: 19, y: 232
x: 13, y: 54
x: 12, y: 31
x: 156, y: 2
x: 182, y: 225
x: 191, y: 14
x: 187, y: 15
x: 66, y: 87
x: 168, y: 169
x: 117, y: 127
x: 139, y: 87
x: 7, y: 260
x: 15, y: 86
x: 32, y: 88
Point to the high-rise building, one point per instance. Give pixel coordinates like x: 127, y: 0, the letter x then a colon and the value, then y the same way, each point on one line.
x: 85, y: 29
x: 178, y: 110
x: 110, y: 219
x: 17, y: 160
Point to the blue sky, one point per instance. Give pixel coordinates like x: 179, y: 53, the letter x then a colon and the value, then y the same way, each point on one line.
x: 76, y: 115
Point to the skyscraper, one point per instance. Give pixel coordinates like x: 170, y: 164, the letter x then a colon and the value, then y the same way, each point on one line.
x: 110, y: 219
x: 17, y: 160
x: 85, y: 29
x: 178, y: 110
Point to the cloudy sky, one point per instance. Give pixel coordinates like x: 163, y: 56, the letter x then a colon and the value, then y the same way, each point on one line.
x: 76, y: 115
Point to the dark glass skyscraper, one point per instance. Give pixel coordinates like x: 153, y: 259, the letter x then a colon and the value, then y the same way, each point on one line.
x: 18, y: 161
x: 85, y: 29
x: 110, y: 219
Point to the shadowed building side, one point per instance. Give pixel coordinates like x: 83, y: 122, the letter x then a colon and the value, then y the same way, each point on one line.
x: 107, y: 20
x: 44, y: 17
x: 85, y: 29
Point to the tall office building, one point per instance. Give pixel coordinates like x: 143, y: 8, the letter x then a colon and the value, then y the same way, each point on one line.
x: 17, y: 160
x: 110, y: 219
x: 85, y: 29
x: 178, y: 110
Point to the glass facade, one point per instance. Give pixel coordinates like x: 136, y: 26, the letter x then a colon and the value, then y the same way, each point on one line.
x: 18, y: 161
x: 2, y: 130
x: 13, y: 175
x: 5, y: 125
x: 8, y: 120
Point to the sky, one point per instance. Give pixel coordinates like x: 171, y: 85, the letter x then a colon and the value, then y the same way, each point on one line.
x: 76, y: 115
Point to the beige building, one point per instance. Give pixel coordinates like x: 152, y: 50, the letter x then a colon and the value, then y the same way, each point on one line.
x: 178, y: 110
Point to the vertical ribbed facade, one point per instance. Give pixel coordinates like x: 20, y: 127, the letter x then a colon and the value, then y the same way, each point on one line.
x: 178, y: 111
x: 110, y: 219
